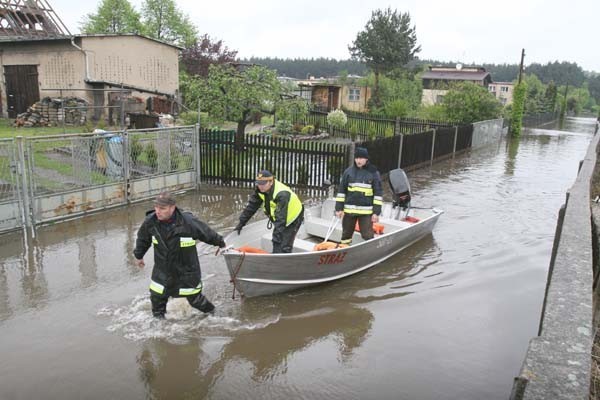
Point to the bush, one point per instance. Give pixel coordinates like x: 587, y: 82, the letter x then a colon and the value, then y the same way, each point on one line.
x: 135, y: 149
x: 308, y: 130
x: 337, y: 119
x: 151, y: 155
x: 283, y: 126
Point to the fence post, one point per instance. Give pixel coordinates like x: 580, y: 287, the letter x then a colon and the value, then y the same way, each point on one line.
x: 350, y: 154
x: 400, y: 152
x: 432, y: 147
x: 397, y: 129
x: 25, y: 174
x: 455, y: 139
x: 197, y: 146
x: 126, y: 169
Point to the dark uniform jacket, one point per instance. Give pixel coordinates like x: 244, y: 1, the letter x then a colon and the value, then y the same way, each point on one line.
x: 360, y: 191
x: 176, y: 267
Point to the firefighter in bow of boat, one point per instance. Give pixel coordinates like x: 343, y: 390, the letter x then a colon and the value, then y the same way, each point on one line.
x: 359, y: 197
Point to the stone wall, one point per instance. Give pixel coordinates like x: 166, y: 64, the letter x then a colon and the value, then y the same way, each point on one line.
x: 557, y: 363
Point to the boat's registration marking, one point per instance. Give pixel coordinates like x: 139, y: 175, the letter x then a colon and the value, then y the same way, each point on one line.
x: 384, y: 242
x: 332, y: 258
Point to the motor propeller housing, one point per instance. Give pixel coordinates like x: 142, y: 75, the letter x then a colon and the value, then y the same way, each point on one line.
x: 400, y: 187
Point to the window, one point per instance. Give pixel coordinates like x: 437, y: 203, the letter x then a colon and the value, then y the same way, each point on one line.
x: 354, y: 94
x: 504, y: 88
x: 492, y: 88
x: 439, y: 99
x: 503, y: 101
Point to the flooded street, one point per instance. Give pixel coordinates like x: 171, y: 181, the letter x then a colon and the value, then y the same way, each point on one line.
x: 448, y: 318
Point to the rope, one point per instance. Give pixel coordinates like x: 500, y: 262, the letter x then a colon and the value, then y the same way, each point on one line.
x: 331, y: 229
x: 237, y: 271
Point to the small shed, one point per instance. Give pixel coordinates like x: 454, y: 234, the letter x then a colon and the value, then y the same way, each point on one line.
x: 437, y: 79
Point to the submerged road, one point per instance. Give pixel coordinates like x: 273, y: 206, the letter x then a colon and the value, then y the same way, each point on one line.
x: 449, y: 318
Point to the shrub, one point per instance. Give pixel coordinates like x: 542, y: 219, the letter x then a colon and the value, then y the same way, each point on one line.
x: 372, y: 132
x: 283, y: 126
x: 308, y: 130
x: 337, y: 119
x: 135, y: 149
x: 151, y: 155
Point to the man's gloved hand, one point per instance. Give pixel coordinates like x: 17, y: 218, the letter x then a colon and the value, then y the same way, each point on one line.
x: 222, y: 244
x: 238, y: 228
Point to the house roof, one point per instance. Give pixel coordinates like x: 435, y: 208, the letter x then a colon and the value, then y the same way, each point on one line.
x: 456, y: 75
x: 7, y: 39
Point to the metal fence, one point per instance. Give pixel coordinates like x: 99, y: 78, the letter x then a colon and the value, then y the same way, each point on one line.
x: 298, y: 163
x: 48, y: 178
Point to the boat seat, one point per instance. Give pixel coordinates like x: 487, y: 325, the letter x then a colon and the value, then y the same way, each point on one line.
x: 318, y: 227
x: 300, y: 245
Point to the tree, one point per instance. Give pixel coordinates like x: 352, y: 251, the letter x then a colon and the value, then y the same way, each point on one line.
x: 235, y: 94
x: 518, y: 108
x: 400, y: 93
x: 550, y: 96
x: 594, y: 87
x: 204, y: 52
x: 468, y: 102
x: 163, y: 21
x: 387, y: 42
x: 112, y: 16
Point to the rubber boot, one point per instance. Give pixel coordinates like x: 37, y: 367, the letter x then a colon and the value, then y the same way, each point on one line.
x: 201, y: 303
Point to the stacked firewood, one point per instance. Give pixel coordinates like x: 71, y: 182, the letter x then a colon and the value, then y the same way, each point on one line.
x: 54, y: 112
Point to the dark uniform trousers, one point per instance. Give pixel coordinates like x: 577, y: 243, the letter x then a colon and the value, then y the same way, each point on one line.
x: 288, y: 235
x: 364, y: 223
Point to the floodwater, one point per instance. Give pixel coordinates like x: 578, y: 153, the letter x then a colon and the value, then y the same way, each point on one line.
x: 449, y: 318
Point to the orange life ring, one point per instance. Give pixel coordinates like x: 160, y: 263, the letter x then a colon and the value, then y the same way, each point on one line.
x: 329, y: 246
x: 253, y: 250
x: 377, y: 228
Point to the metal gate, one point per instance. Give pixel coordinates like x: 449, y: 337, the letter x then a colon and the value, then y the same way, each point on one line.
x: 11, y: 212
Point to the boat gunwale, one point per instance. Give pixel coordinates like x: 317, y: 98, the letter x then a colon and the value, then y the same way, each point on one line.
x: 234, y: 253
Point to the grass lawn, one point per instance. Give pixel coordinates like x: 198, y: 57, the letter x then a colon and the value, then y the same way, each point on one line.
x: 7, y: 130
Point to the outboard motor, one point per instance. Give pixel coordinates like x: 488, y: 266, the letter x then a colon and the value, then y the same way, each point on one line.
x: 401, y: 189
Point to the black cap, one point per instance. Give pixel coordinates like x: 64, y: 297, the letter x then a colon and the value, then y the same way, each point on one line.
x: 361, y: 152
x: 164, y: 199
x: 263, y: 177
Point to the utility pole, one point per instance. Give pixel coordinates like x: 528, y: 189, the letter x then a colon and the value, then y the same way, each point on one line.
x: 521, y: 65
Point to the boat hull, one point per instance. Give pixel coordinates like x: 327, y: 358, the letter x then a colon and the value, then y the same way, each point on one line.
x: 267, y: 274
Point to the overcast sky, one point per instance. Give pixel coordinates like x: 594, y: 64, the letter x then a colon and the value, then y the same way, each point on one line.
x: 470, y: 31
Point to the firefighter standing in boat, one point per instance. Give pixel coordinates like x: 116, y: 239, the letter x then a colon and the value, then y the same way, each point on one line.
x: 176, y: 272
x: 282, y: 206
x: 359, y: 197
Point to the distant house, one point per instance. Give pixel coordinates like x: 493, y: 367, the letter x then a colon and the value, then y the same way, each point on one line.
x: 436, y: 80
x: 503, y: 91
x: 93, y: 67
x: 328, y: 95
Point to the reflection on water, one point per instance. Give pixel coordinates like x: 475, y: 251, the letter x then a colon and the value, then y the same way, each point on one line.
x: 261, y: 350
